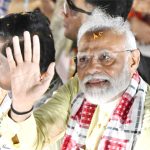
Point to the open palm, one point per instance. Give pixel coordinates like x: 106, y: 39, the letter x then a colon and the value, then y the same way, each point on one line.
x: 27, y: 83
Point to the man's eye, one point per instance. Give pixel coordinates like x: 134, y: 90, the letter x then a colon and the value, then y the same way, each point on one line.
x: 83, y: 59
x: 105, y: 57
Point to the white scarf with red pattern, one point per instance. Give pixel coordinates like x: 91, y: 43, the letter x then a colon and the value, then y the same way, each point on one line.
x: 123, y: 127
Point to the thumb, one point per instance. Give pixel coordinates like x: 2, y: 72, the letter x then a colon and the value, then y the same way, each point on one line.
x: 49, y: 73
x: 45, y: 80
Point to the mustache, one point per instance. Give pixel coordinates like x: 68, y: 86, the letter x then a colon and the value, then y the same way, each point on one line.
x: 96, y: 76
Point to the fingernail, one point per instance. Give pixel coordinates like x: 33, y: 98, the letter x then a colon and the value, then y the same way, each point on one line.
x: 26, y: 32
x: 8, y: 49
x: 15, y: 38
x: 35, y: 37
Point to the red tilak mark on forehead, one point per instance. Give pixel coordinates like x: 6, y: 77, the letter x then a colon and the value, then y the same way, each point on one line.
x: 97, y: 35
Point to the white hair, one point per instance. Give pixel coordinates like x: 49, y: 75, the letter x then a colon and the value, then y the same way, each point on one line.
x: 100, y: 21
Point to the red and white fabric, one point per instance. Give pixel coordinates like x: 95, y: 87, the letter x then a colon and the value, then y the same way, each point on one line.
x: 79, y: 122
x: 124, y: 125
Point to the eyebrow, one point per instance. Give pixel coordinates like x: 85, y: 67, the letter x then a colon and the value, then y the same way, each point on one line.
x: 82, y: 53
x: 83, y: 49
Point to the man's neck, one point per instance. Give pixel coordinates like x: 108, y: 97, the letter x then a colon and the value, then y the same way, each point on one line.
x: 115, y: 97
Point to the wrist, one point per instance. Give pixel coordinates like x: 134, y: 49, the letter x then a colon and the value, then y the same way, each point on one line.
x: 19, y: 117
x: 17, y: 112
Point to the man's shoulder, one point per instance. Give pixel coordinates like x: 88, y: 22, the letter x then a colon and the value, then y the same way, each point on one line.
x: 146, y: 119
x: 73, y: 84
x: 74, y: 79
x: 147, y: 98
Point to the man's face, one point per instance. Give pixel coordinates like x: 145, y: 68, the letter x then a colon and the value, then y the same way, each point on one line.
x: 4, y: 70
x: 73, y: 19
x: 103, y: 67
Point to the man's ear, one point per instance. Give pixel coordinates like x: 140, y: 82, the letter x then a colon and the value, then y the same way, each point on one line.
x: 135, y: 59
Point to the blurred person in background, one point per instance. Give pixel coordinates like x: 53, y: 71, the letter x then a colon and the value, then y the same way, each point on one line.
x: 140, y: 24
x: 139, y: 18
x: 46, y: 6
x: 72, y: 21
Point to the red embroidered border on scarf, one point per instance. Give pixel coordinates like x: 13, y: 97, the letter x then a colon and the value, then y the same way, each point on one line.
x: 83, y: 118
x: 124, y: 125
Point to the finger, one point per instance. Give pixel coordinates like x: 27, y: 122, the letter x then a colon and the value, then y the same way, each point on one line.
x: 50, y: 69
x: 17, y: 51
x: 27, y: 47
x: 36, y: 49
x: 49, y: 74
x: 43, y: 85
x: 0, y: 59
x: 11, y: 61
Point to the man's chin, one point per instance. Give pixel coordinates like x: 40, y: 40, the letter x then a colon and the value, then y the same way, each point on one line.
x: 99, y: 96
x: 96, y: 89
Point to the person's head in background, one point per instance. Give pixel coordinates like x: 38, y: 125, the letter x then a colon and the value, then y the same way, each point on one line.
x: 72, y: 18
x: 15, y: 25
x: 45, y: 6
x: 76, y: 12
x: 139, y: 19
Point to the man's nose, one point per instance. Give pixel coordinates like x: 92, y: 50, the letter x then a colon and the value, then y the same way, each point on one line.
x: 95, y: 67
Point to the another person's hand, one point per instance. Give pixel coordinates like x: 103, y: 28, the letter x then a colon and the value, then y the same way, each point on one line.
x: 27, y: 83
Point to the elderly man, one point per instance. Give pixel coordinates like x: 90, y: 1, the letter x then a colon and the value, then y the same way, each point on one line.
x: 109, y: 110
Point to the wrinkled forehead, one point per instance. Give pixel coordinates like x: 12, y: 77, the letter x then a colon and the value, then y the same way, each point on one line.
x: 101, y: 39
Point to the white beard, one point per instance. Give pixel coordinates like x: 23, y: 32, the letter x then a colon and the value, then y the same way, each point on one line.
x: 109, y: 93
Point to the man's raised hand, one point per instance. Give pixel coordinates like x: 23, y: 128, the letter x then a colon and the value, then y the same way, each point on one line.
x: 27, y: 83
